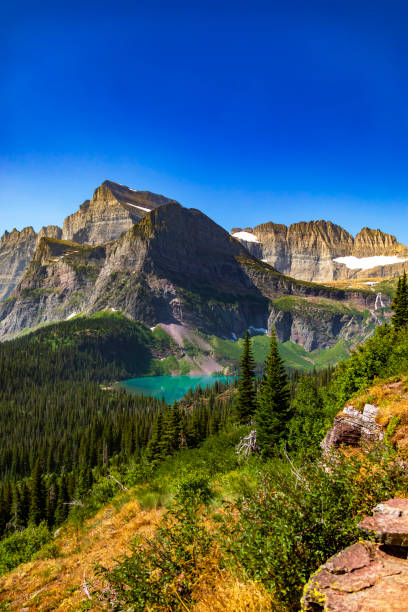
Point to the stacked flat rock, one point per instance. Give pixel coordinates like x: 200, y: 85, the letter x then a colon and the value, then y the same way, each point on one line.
x: 368, y: 576
x: 353, y: 428
x: 389, y: 523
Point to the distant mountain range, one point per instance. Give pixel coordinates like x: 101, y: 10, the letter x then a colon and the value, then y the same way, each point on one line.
x: 163, y: 264
x: 321, y: 251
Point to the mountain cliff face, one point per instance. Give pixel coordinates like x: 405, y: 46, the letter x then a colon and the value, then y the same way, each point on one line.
x: 16, y: 251
x: 308, y: 250
x: 174, y: 266
x: 112, y: 211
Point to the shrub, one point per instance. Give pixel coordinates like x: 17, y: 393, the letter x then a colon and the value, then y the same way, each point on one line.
x: 297, y: 519
x: 20, y: 547
x: 161, y: 573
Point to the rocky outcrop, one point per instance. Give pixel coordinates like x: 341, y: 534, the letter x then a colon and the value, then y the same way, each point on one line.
x: 317, y: 324
x: 354, y: 428
x: 369, y: 243
x: 175, y: 266
x: 367, y: 576
x: 389, y: 523
x: 307, y: 250
x: 112, y: 211
x: 16, y: 251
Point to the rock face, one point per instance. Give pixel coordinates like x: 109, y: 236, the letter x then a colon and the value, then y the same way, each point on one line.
x: 112, y: 211
x: 352, y: 428
x: 307, y: 250
x: 362, y: 578
x: 389, y: 522
x: 16, y: 251
x: 368, y: 576
x: 175, y: 266
x: 317, y: 323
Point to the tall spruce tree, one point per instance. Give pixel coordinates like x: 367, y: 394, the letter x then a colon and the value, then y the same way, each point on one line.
x: 154, y: 451
x: 245, y: 405
x: 400, y: 303
x: 273, y: 413
x: 37, y: 495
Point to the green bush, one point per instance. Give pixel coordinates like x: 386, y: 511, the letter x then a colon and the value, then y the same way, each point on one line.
x: 162, y: 572
x: 20, y: 547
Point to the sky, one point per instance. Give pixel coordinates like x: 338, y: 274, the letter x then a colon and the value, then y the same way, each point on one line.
x: 250, y: 111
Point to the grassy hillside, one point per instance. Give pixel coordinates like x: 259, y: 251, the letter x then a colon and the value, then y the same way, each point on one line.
x: 294, y: 355
x: 216, y: 535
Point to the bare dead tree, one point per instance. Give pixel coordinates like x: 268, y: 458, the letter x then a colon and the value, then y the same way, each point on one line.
x: 247, y: 446
x: 118, y: 483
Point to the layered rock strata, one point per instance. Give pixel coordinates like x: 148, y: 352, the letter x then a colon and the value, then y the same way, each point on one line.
x: 354, y: 428
x: 368, y: 576
x: 175, y: 266
x: 112, y: 210
x: 308, y: 250
x: 16, y: 251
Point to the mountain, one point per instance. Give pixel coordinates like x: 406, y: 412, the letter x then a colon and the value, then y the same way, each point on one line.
x: 16, y: 251
x: 113, y: 210
x: 178, y: 268
x: 314, y: 250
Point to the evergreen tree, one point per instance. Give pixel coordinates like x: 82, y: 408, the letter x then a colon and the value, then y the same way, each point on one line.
x: 171, y: 430
x: 61, y: 510
x: 37, y: 495
x: 400, y: 303
x: 154, y: 451
x: 273, y: 411
x: 245, y: 405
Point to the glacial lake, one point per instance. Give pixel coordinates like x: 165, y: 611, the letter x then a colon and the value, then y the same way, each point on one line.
x: 172, y: 388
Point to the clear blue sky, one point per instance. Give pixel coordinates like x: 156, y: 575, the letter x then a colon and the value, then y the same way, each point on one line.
x: 249, y: 111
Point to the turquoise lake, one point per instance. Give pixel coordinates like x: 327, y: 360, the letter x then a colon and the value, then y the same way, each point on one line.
x: 172, y: 388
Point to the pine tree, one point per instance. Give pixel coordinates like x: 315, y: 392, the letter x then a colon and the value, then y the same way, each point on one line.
x: 245, y: 405
x: 154, y: 450
x: 37, y: 495
x: 400, y: 303
x: 61, y: 510
x: 273, y: 413
x: 171, y: 430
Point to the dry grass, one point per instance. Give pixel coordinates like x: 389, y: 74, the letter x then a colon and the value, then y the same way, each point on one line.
x: 57, y: 584
x: 219, y: 590
x: 391, y: 397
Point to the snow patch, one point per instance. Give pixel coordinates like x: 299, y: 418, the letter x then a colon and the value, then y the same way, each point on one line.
x: 246, y: 236
x: 140, y: 207
x: 71, y: 316
x: 366, y: 263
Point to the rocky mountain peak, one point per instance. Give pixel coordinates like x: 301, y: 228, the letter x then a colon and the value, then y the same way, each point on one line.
x: 16, y: 236
x: 113, y: 209
x: 372, y: 242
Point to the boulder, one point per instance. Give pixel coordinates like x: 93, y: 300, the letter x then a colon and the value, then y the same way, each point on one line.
x: 352, y: 428
x: 361, y: 578
x: 389, y: 523
x: 367, y: 576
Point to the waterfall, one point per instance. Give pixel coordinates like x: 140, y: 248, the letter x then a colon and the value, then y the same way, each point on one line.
x: 378, y: 302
